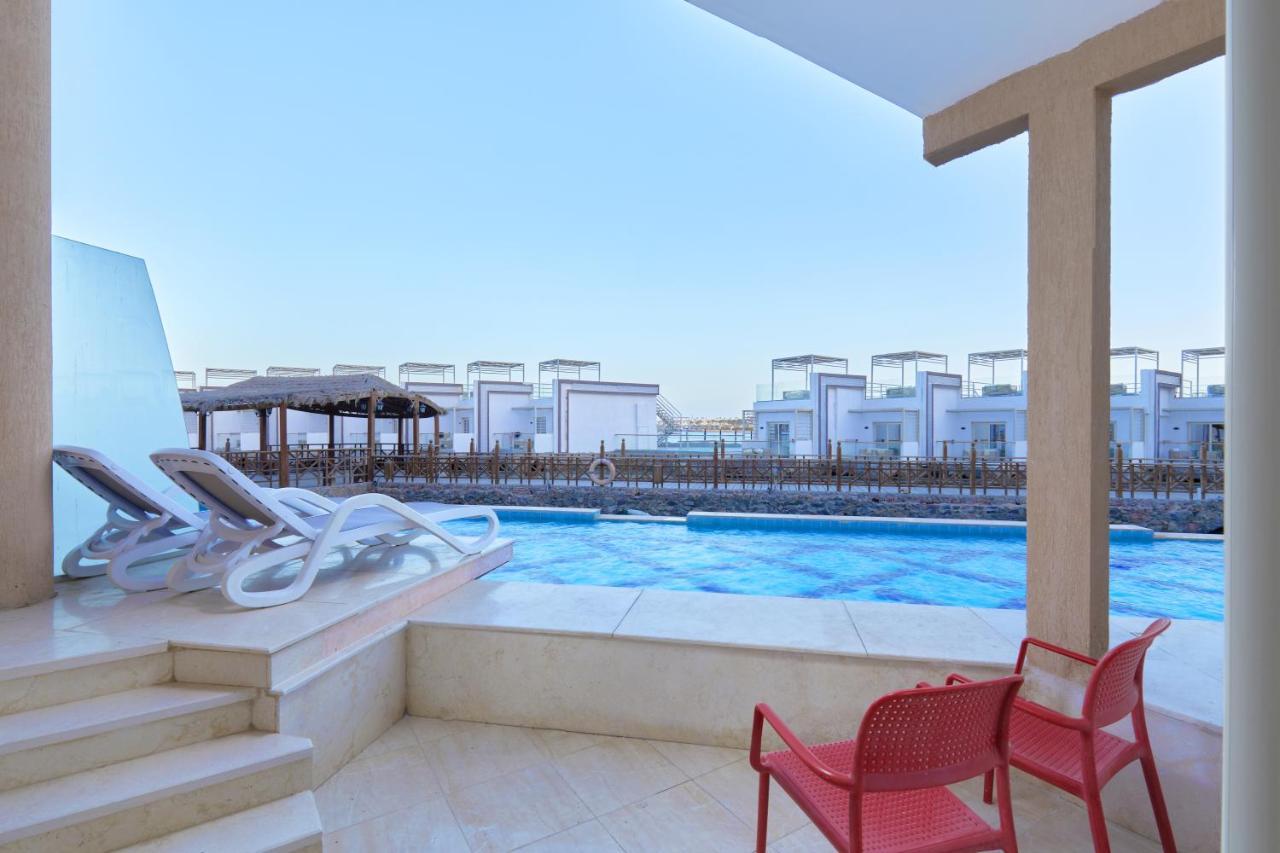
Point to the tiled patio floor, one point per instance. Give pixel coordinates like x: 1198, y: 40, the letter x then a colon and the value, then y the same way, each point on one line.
x: 434, y: 785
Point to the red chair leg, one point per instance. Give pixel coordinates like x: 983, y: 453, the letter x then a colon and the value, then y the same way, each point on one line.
x: 762, y: 814
x: 1097, y: 822
x: 1157, y: 804
x: 1007, y: 830
x: 987, y: 784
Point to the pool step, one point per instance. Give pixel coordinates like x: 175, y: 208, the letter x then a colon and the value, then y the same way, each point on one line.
x: 70, y: 666
x: 95, y: 811
x: 45, y: 743
x: 283, y: 826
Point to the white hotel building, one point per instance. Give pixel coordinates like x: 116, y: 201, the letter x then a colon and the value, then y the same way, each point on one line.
x: 569, y: 409
x: 911, y: 405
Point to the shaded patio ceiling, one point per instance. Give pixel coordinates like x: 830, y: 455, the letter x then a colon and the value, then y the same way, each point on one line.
x: 924, y: 55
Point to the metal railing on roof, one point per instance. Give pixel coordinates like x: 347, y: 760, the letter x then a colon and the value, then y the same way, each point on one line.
x: 359, y: 369
x: 988, y: 389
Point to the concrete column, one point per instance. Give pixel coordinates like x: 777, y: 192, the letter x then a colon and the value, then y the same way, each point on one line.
x: 1251, y: 759
x: 1068, y: 407
x: 26, y: 358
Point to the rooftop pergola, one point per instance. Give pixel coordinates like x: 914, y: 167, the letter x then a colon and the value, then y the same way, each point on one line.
x: 806, y: 364
x: 900, y: 360
x: 567, y: 368
x: 1127, y: 364
x: 352, y: 395
x: 359, y: 369
x: 989, y: 362
x: 218, y: 377
x: 1193, y: 361
x: 293, y: 371
x: 186, y: 379
x: 500, y: 371
x: 427, y: 371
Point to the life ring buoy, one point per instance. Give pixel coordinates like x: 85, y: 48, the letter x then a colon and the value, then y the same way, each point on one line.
x: 610, y: 471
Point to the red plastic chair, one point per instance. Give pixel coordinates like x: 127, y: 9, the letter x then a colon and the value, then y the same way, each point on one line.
x: 1075, y: 753
x: 885, y: 790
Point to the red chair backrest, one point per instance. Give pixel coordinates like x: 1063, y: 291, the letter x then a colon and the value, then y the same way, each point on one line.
x: 1116, y: 684
x: 934, y: 735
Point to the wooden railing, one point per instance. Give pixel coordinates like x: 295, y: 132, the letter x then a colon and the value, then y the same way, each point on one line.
x: 1156, y: 478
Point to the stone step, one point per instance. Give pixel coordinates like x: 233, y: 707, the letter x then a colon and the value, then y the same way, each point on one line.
x: 65, y: 666
x: 145, y: 798
x: 46, y: 743
x: 284, y: 826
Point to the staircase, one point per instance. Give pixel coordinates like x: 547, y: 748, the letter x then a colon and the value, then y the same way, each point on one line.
x: 669, y: 420
x: 161, y: 765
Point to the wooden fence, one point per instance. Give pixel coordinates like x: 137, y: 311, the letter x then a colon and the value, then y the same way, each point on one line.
x: 1156, y: 478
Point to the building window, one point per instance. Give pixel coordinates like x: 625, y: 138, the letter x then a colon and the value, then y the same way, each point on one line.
x: 888, y: 437
x: 1206, y: 440
x: 540, y: 425
x: 780, y: 438
x: 989, y: 439
x: 464, y: 423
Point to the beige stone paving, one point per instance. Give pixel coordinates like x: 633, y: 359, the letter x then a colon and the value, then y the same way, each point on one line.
x: 441, y: 785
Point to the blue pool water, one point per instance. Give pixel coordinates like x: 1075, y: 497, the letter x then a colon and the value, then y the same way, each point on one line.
x: 1176, y: 578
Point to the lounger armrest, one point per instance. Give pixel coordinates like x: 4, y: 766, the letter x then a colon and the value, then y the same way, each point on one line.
x: 1049, y: 715
x: 764, y: 712
x: 302, y: 499
x: 957, y: 678
x: 1049, y: 647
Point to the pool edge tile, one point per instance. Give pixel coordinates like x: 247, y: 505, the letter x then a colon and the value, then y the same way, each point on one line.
x: 712, y: 618
x: 545, y: 608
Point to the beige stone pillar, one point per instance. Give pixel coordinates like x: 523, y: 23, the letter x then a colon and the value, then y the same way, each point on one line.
x: 1068, y: 404
x: 26, y: 418
x: 1065, y: 104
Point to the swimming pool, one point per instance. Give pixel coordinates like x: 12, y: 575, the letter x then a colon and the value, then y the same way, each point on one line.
x: 1177, y: 578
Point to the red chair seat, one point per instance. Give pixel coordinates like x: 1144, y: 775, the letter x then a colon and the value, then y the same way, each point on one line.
x: 928, y: 819
x: 1053, y: 752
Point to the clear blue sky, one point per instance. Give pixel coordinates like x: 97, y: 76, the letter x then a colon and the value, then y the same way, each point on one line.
x: 632, y: 181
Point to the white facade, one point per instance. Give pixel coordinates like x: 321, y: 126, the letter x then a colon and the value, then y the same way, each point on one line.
x: 574, y: 417
x: 1158, y: 417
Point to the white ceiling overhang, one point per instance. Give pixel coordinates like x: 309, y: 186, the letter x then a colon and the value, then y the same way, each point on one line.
x: 924, y: 55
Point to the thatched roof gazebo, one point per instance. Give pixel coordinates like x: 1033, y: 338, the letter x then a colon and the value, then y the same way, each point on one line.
x: 354, y: 395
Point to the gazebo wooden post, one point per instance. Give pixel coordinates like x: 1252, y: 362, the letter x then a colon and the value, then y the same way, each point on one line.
x: 202, y: 427
x: 283, y: 418
x: 372, y: 435
x: 417, y: 427
x: 264, y: 439
x: 329, y: 454
x: 436, y: 429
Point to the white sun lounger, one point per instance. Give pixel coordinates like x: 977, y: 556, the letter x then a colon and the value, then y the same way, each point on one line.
x: 142, y: 523
x: 252, y: 529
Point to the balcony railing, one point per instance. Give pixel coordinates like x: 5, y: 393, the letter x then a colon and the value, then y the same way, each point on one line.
x: 1213, y: 389
x: 879, y: 391
x: 988, y: 389
x: 774, y: 393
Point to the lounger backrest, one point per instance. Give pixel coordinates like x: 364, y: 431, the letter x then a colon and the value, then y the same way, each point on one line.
x: 934, y: 736
x: 211, y: 480
x: 1116, y: 684
x: 118, y: 487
